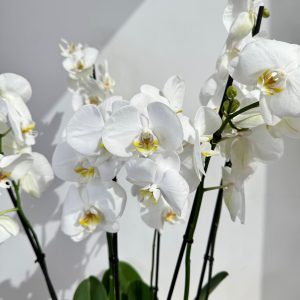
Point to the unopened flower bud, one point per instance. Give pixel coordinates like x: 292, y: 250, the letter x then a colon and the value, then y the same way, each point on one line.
x: 231, y: 92
x: 266, y: 13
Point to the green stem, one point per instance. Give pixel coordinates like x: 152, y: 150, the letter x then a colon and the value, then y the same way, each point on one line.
x: 208, y: 256
x: 187, y: 271
x: 152, y: 262
x: 110, y: 261
x: 116, y: 265
x: 219, y: 187
x: 190, y: 229
x: 32, y: 237
x: 112, y: 244
x: 157, y: 266
x: 6, y: 211
x: 218, y: 134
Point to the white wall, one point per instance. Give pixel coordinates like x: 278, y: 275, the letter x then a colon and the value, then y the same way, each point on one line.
x: 161, y: 38
x: 282, y: 223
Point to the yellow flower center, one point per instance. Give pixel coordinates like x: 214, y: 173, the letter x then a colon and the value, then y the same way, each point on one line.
x: 272, y: 82
x: 146, y: 143
x: 90, y: 220
x: 170, y: 216
x: 107, y: 83
x: 147, y: 196
x: 94, y: 100
x: 80, y: 65
x: 85, y: 172
x: 4, y: 175
x: 29, y: 128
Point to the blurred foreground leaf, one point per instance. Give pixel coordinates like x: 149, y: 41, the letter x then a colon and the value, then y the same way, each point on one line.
x: 215, y: 281
x: 90, y: 289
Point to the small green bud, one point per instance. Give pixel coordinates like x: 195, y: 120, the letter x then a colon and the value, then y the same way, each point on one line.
x: 266, y: 13
x: 231, y: 92
x: 230, y: 106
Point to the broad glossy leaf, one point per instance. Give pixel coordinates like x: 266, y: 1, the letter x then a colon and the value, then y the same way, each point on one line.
x: 138, y: 290
x: 90, y: 289
x: 127, y: 274
x: 215, y: 281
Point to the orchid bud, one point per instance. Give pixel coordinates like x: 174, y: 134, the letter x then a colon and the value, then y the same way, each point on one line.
x: 231, y: 92
x: 266, y: 13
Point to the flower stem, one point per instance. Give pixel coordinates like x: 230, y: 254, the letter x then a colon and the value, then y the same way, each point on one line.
x: 187, y: 271
x: 110, y: 261
x: 218, y: 133
x: 112, y: 244
x: 6, y: 211
x: 157, y: 265
x: 116, y: 265
x: 190, y: 229
x: 208, y: 256
x: 218, y: 187
x: 32, y: 237
x: 152, y: 262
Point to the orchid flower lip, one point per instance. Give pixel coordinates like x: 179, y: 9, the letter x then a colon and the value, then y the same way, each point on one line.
x: 272, y: 82
x: 90, y: 219
x: 146, y: 143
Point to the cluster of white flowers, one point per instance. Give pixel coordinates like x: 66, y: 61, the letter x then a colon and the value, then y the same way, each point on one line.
x: 28, y: 170
x: 162, y: 151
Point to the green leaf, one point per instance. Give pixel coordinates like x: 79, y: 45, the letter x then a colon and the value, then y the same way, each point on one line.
x: 215, y: 281
x: 138, y: 290
x: 127, y: 274
x: 90, y: 289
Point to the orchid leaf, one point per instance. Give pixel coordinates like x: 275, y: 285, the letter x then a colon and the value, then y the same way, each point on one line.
x: 90, y: 289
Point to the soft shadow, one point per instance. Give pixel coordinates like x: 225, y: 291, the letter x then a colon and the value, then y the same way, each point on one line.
x: 281, y: 259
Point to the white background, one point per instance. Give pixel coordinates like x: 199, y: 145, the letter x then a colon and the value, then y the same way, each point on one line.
x: 146, y: 42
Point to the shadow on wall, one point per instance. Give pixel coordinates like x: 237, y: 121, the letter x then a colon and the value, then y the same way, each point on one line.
x: 30, y: 33
x: 281, y: 261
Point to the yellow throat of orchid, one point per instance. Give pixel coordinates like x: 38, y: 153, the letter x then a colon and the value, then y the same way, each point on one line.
x: 170, y: 216
x: 29, y: 128
x: 90, y: 220
x: 84, y: 171
x: 79, y: 66
x: 272, y: 82
x: 146, y: 143
x: 96, y: 100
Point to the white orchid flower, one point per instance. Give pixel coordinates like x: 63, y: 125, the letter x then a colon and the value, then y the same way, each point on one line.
x: 173, y: 91
x: 250, y: 147
x: 187, y: 167
x: 212, y: 91
x: 128, y: 131
x: 286, y: 127
x: 207, y: 122
x: 14, y: 92
x: 273, y: 68
x: 106, y: 82
x: 68, y: 49
x: 70, y: 165
x: 14, y: 167
x: 172, y: 94
x: 8, y: 227
x: 85, y: 129
x: 85, y: 91
x: 156, y: 216
x: 38, y: 177
x: 80, y: 63
x: 234, y: 196
x: 159, y: 179
x: 240, y: 17
x: 97, y: 205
